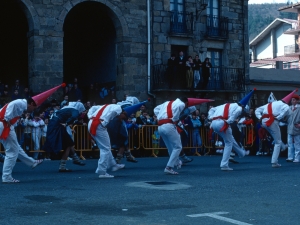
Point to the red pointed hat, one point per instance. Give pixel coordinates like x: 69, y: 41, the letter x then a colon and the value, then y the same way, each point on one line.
x: 40, y: 98
x: 289, y: 97
x: 197, y: 101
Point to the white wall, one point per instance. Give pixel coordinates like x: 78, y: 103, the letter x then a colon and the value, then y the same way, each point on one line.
x: 264, y: 48
x: 283, y: 39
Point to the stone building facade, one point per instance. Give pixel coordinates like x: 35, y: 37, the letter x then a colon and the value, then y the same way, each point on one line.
x: 109, y: 41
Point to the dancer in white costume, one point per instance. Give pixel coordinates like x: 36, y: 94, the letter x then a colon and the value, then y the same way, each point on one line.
x: 99, y: 118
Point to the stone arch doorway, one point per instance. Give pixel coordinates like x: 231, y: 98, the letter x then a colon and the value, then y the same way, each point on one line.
x: 14, y: 43
x: 90, y: 40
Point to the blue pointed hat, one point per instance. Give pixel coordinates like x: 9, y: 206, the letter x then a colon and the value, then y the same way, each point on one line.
x: 246, y: 99
x: 134, y: 108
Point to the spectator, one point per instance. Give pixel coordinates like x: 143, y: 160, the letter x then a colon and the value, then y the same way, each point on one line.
x: 189, y: 72
x: 142, y: 109
x: 65, y: 101
x: 171, y: 71
x: 75, y: 94
x: 18, y: 87
x: 5, y: 98
x: 196, y: 124
x: 144, y: 119
x: 181, y: 69
x: 206, y: 66
x: 263, y: 141
x: 26, y: 93
x: 36, y: 132
x: 197, y: 66
x: 15, y: 95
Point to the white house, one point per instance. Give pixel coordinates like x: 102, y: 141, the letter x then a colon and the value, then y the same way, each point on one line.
x: 274, y: 47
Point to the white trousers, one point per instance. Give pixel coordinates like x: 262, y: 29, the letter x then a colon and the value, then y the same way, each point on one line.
x: 229, y: 141
x: 106, y: 160
x: 274, y: 131
x: 172, y: 141
x: 13, y: 151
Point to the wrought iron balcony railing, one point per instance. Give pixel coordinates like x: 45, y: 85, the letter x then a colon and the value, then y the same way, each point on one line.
x: 216, y: 26
x: 290, y: 49
x: 181, y: 22
x: 221, y: 79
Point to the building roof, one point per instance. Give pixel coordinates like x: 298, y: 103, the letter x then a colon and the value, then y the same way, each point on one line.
x: 268, y: 29
x: 290, y: 8
x: 270, y: 61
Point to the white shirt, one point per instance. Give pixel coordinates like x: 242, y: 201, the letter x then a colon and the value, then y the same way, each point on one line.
x: 234, y: 112
x: 110, y: 112
x: 279, y: 108
x: 177, y: 107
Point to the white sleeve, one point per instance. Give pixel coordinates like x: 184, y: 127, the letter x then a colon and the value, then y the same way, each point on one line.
x: 211, y: 112
x: 157, y: 109
x: 284, y: 109
x: 234, y: 115
x: 92, y: 110
x: 177, y: 111
x: 259, y: 112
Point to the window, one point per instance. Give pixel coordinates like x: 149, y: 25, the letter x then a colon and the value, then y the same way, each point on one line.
x: 177, y: 5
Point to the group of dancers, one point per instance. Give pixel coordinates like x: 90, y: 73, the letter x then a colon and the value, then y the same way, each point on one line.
x: 59, y: 134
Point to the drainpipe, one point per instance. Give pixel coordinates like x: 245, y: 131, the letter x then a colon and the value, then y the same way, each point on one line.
x: 149, y: 49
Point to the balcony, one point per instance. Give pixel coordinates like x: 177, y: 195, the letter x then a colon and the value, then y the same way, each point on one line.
x: 221, y: 79
x: 216, y: 27
x: 291, y: 49
x: 181, y: 23
x: 295, y: 29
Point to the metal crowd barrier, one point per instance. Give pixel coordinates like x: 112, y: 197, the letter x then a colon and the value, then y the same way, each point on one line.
x: 139, y: 139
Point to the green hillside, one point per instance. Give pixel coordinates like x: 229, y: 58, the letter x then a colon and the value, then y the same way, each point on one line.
x: 261, y: 15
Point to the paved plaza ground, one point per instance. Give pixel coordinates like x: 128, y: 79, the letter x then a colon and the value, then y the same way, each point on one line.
x: 141, y: 194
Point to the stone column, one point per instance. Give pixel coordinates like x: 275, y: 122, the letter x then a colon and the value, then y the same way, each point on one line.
x: 45, y: 55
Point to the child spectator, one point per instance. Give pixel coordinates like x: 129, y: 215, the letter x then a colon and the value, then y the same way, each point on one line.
x: 37, y: 125
x: 197, y: 142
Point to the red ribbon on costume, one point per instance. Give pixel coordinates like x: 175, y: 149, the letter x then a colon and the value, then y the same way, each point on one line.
x: 6, y: 127
x: 224, y: 117
x: 269, y: 115
x: 96, y: 120
x: 169, y: 114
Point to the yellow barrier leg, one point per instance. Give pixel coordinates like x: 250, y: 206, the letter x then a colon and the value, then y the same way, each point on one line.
x: 81, y: 156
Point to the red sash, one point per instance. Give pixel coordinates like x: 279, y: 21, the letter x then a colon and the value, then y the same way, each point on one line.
x: 270, y: 115
x: 6, y: 127
x: 225, y: 117
x: 169, y: 114
x: 96, y: 120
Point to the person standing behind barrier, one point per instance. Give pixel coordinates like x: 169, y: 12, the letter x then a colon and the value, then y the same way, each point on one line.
x: 9, y: 115
x: 294, y: 131
x: 222, y: 116
x: 37, y: 125
x: 292, y: 151
x: 196, y: 124
x: 99, y: 118
x: 270, y: 115
x: 168, y: 115
x: 58, y: 137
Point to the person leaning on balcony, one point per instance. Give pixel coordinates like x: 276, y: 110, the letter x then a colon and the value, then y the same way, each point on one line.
x: 171, y: 70
x: 198, y: 64
x: 181, y: 69
x: 189, y: 75
x: 206, y: 65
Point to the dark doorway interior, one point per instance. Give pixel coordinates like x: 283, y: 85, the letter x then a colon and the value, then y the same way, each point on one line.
x: 89, y: 46
x: 14, y: 44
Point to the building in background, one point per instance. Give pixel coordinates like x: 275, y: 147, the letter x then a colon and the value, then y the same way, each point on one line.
x: 125, y: 43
